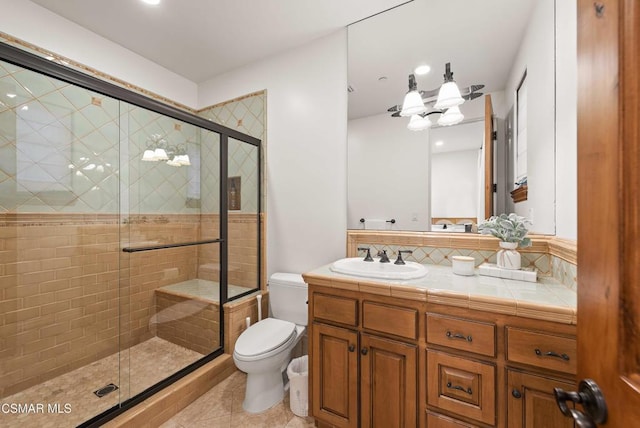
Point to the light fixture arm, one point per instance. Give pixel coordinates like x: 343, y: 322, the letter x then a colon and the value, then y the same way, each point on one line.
x: 448, y: 74
x: 413, y: 86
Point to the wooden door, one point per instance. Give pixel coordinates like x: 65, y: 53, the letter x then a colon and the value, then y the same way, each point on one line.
x: 531, y: 403
x: 609, y: 204
x: 488, y: 157
x: 389, y: 391
x: 335, y: 375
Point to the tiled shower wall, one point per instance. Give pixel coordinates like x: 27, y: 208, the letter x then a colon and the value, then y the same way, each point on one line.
x: 247, y: 114
x: 69, y: 165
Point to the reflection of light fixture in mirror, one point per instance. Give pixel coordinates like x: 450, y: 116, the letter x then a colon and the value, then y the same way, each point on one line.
x: 449, y: 95
x: 418, y: 123
x: 159, y: 150
x: 450, y: 117
x: 412, y: 100
x: 160, y: 154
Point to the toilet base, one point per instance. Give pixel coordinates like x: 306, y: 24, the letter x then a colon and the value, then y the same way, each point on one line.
x: 264, y: 390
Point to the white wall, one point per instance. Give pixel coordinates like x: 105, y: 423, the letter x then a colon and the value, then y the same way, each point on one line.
x: 32, y: 23
x: 566, y: 121
x: 388, y: 175
x: 454, y: 192
x: 536, y: 56
x: 306, y: 148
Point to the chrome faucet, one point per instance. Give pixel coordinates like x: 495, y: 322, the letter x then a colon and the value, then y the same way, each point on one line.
x: 383, y: 256
x: 399, y: 260
x: 368, y: 257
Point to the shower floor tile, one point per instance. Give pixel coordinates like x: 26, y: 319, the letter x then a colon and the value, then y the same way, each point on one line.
x: 68, y: 400
x: 221, y: 407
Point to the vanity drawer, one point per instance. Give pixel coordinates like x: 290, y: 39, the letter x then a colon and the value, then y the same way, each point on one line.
x: 462, y: 334
x: 542, y: 350
x: 342, y: 310
x: 462, y: 386
x: 435, y: 420
x: 396, y: 320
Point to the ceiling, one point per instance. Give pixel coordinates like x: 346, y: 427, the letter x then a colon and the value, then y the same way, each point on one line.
x: 479, y: 38
x: 199, y: 39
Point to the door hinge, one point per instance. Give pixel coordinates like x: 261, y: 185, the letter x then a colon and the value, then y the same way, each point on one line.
x: 495, y: 188
x: 494, y: 135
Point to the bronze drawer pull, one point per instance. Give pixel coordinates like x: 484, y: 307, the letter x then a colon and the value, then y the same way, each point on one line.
x: 459, y: 388
x: 459, y: 336
x: 552, y: 354
x: 352, y: 348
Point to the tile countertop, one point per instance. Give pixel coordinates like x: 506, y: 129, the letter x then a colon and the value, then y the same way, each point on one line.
x: 546, y: 299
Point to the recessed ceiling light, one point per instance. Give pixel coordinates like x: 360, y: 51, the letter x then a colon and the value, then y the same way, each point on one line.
x: 152, y: 2
x: 439, y: 143
x: 422, y: 70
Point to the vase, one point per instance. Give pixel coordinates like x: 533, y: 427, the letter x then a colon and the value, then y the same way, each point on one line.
x: 508, y: 257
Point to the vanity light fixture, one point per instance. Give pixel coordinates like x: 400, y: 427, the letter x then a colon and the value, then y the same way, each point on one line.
x: 450, y: 117
x: 447, y: 99
x: 418, y: 123
x: 449, y: 95
x: 412, y: 104
x: 158, y: 150
x: 151, y: 2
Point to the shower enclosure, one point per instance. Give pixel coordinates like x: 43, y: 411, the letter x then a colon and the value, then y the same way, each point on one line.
x: 125, y: 225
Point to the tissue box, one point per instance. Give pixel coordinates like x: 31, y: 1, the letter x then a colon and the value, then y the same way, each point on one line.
x: 490, y: 269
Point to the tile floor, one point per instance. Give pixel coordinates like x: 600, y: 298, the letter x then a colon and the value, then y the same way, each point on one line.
x: 221, y: 407
x: 76, y: 387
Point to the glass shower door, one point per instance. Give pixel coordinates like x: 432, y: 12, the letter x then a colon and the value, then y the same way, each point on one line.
x: 170, y: 276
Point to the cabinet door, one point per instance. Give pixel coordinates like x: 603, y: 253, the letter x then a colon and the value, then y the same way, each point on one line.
x: 532, y: 404
x: 335, y: 375
x: 388, y: 383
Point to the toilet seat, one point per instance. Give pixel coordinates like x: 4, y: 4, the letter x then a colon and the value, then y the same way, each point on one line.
x: 265, y: 338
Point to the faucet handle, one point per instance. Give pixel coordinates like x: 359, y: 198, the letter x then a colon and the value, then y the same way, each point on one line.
x: 368, y: 257
x: 399, y: 260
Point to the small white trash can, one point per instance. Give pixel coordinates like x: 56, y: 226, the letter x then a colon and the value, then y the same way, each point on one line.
x: 298, y: 373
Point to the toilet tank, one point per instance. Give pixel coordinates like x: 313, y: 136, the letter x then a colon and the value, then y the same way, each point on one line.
x: 288, y: 297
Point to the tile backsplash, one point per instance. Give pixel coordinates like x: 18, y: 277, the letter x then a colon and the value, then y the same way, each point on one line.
x: 550, y: 256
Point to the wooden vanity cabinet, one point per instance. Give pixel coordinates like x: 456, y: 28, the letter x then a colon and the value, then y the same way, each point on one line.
x: 384, y: 361
x: 492, y: 370
x: 364, y: 359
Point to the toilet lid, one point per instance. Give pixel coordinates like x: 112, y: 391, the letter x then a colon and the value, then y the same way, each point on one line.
x: 264, y: 336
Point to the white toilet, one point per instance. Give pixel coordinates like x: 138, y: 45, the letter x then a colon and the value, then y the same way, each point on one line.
x: 263, y: 351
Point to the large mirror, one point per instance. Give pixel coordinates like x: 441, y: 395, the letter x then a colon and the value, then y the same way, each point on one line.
x: 446, y: 174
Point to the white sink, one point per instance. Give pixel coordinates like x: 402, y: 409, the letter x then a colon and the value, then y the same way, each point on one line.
x: 358, y: 267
